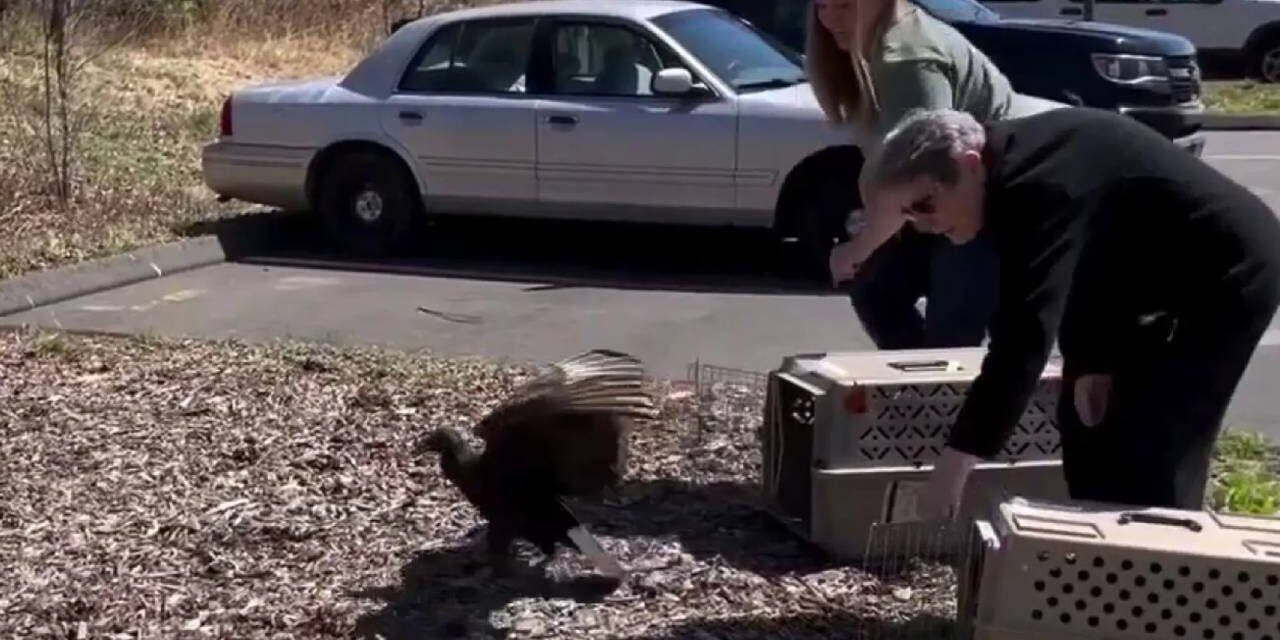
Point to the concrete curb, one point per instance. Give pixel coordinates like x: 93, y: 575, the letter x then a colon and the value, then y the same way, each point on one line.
x: 1225, y: 122
x: 224, y: 240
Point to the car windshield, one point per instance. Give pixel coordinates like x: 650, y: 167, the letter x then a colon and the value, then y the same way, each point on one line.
x: 739, y: 54
x: 959, y: 10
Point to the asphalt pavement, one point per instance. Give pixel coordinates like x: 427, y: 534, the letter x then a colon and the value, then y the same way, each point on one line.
x: 536, y: 292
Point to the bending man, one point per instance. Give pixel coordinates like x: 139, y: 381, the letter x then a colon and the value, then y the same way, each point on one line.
x: 1157, y: 274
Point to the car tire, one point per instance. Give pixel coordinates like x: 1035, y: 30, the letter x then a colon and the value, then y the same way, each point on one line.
x: 819, y: 224
x: 368, y: 204
x: 1265, y: 61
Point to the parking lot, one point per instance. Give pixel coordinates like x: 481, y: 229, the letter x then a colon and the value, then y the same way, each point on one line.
x: 535, y: 291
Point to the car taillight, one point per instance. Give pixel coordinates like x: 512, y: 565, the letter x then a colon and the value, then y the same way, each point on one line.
x: 225, y: 120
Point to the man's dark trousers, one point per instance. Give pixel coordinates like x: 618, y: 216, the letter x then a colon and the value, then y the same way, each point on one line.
x: 1170, y: 391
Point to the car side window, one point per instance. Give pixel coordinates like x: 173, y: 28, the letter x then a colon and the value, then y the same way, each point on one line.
x: 485, y: 56
x: 605, y: 60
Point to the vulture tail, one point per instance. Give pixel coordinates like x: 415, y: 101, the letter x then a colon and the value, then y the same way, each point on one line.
x: 591, y: 548
x: 608, y: 381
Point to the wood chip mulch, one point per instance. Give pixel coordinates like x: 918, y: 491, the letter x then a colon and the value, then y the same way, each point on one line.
x: 185, y: 489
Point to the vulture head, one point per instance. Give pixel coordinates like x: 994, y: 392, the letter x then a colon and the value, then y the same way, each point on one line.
x: 441, y: 440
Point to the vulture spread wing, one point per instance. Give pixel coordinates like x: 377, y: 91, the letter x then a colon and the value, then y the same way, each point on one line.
x: 570, y: 424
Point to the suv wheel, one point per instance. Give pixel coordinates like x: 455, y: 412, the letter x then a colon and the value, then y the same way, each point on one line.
x: 1266, y: 60
x: 367, y: 203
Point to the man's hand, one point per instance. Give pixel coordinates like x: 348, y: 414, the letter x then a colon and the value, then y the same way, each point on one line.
x: 942, y: 494
x: 843, y: 263
x: 1092, y: 395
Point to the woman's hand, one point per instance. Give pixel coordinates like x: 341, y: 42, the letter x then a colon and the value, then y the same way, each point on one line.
x: 1092, y: 395
x: 942, y: 494
x: 844, y: 262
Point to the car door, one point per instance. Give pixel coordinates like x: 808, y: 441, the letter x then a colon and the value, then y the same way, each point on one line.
x: 463, y: 111
x: 609, y: 147
x: 1204, y: 22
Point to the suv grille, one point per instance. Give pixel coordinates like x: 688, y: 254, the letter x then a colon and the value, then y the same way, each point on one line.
x: 1184, y: 78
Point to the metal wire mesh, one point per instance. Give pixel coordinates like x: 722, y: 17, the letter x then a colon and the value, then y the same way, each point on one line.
x: 933, y: 568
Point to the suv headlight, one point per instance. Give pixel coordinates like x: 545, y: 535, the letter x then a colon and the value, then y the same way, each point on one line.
x: 1131, y: 69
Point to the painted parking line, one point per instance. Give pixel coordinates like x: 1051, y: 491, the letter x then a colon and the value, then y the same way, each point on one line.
x: 1242, y: 156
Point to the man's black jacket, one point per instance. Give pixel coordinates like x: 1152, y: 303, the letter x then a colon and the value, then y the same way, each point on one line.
x: 1099, y: 220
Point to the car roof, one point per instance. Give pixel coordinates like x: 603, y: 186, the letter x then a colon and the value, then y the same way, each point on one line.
x: 634, y: 9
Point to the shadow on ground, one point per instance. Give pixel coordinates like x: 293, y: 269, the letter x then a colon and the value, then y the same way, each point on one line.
x: 812, y: 626
x: 546, y: 254
x: 442, y: 594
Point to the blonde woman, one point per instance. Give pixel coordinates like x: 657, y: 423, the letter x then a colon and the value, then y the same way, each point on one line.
x: 869, y: 63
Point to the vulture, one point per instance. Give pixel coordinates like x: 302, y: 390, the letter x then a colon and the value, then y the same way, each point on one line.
x: 562, y: 434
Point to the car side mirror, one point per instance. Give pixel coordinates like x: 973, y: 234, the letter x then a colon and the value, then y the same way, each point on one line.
x: 673, y: 82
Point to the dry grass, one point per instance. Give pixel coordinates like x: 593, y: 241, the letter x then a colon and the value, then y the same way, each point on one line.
x: 147, y: 107
x: 196, y: 489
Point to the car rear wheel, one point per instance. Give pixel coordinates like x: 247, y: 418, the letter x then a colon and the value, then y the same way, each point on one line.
x: 368, y: 204
x: 819, y: 216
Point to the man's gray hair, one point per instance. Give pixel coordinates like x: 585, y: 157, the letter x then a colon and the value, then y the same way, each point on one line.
x: 922, y: 144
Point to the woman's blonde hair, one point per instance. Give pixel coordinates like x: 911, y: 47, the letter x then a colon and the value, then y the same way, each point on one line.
x: 841, y: 81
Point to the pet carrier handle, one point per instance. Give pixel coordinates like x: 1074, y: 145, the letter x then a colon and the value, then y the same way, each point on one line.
x: 920, y: 365
x: 1151, y: 518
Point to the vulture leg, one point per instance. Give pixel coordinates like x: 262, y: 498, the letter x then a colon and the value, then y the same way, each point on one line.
x: 499, y: 538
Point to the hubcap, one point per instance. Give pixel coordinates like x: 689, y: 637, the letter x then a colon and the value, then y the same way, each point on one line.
x: 1271, y: 65
x: 368, y: 205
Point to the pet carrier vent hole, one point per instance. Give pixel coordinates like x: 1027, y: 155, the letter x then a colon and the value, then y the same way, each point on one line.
x: 1156, y: 568
x: 1125, y: 595
x: 1183, y: 601
x: 1137, y: 612
x: 1198, y: 587
x: 1053, y: 603
x: 1081, y: 606
x: 1096, y: 592
x: 1108, y: 608
x: 1243, y: 577
x: 1112, y: 578
x: 1067, y: 588
x: 1169, y: 584
x: 1099, y: 563
x: 1254, y: 625
x: 1037, y: 615
x: 1167, y: 614
x: 1065, y: 618
x: 1122, y: 624
x: 1214, y: 574
x: 1055, y: 573
x: 1237, y: 636
x: 1184, y: 572
x: 1040, y: 585
x: 1195, y: 617
x: 1094, y: 621
x: 1273, y: 580
x: 1083, y: 576
x: 1179, y: 631
x: 1071, y: 558
x: 1224, y: 621
x: 1256, y: 593
x: 1241, y: 607
x: 1126, y: 565
x: 1151, y: 627
x: 1211, y: 604
x: 1153, y: 598
x: 1227, y: 590
x: 1140, y: 581
x: 1208, y: 634
x: 1270, y: 610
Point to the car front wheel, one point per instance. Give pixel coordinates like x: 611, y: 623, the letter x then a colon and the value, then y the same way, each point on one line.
x: 1266, y: 60
x: 368, y: 204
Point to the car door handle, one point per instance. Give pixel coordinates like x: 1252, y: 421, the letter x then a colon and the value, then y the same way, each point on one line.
x: 1157, y: 12
x: 1072, y: 11
x: 562, y: 120
x: 411, y: 116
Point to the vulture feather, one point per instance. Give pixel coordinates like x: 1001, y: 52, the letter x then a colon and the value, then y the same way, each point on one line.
x: 565, y: 433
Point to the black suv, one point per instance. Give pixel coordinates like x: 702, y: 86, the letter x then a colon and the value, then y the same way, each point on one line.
x: 1150, y: 75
